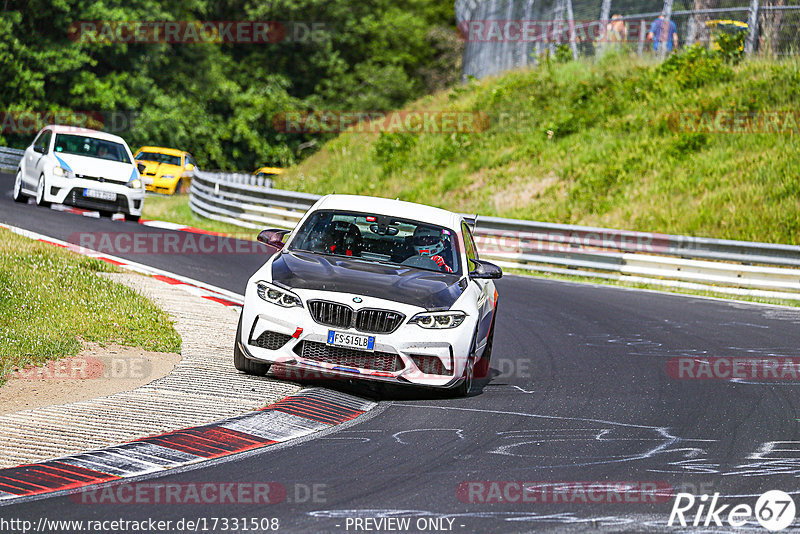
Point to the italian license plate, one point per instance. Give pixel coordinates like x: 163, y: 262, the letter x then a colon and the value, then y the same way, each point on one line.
x: 351, y: 341
x: 102, y: 195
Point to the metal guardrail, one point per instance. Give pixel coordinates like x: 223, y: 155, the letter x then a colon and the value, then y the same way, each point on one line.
x: 9, y: 158
x: 240, y: 178
x: 761, y: 269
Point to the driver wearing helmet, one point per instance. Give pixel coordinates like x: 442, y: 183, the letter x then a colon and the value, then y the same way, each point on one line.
x: 429, y: 242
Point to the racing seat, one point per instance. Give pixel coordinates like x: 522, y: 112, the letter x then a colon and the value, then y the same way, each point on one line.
x: 347, y: 239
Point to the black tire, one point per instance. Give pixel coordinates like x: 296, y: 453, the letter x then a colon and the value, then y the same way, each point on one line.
x: 17, y: 194
x: 132, y: 218
x: 106, y: 213
x: 482, y: 367
x: 241, y: 362
x: 180, y: 187
x: 40, y: 189
x: 464, y: 385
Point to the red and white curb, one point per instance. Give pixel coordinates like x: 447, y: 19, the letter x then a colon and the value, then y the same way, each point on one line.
x: 147, y: 222
x: 309, y: 411
x: 206, y: 291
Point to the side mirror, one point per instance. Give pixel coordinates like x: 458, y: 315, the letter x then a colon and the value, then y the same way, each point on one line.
x: 189, y: 167
x: 484, y: 269
x: 142, y: 167
x: 272, y: 237
x: 39, y: 149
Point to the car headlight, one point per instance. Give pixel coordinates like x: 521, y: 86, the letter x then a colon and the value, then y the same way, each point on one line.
x: 438, y: 320
x: 61, y: 171
x: 135, y: 184
x: 276, y: 295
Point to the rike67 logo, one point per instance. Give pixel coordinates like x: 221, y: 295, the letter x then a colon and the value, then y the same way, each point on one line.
x: 774, y: 510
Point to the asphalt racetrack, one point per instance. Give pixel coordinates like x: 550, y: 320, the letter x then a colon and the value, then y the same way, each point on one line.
x: 590, y: 387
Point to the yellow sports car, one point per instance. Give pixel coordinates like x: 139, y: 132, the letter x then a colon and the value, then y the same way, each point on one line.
x: 167, y: 170
x: 724, y: 26
x: 268, y: 172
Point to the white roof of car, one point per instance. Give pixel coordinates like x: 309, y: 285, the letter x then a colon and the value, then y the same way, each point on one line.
x: 58, y: 128
x: 396, y: 208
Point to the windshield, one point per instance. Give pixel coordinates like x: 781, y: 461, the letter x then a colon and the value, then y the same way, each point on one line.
x: 91, y: 147
x: 159, y: 158
x: 380, y: 239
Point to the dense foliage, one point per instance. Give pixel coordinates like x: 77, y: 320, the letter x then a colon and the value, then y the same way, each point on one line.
x: 218, y: 100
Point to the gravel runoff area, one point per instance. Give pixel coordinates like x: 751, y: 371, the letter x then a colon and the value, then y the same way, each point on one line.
x: 203, y: 387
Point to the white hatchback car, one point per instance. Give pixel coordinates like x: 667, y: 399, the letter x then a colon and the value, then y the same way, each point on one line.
x: 83, y: 168
x: 374, y: 289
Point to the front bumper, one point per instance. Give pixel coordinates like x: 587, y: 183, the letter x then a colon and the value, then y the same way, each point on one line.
x: 70, y: 191
x: 155, y: 184
x: 410, y: 355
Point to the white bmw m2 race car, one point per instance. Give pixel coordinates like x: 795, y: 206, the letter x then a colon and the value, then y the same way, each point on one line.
x: 373, y: 289
x: 83, y: 168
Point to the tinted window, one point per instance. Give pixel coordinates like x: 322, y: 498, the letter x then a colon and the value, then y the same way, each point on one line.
x: 379, y: 239
x: 158, y: 157
x: 91, y: 147
x: 469, y: 244
x: 43, y: 141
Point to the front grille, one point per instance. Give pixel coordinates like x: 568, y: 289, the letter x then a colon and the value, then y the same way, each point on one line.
x: 271, y: 340
x: 331, y: 314
x: 366, y: 320
x: 375, y: 361
x: 430, y: 365
x: 378, y: 321
x: 97, y: 178
x: 76, y: 198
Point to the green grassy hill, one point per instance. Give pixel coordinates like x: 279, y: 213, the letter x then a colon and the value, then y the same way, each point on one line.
x: 594, y: 144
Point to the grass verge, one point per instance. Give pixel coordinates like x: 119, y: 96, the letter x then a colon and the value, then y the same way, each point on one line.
x: 51, y: 299
x: 609, y: 143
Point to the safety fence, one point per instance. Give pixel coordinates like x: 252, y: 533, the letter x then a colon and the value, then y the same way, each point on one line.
x: 10, y: 158
x: 501, y: 35
x: 737, y: 267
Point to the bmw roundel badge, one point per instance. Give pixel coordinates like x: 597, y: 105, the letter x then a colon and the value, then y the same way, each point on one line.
x: 357, y: 300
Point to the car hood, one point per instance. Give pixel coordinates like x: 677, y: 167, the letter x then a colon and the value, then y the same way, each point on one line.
x: 153, y: 168
x: 417, y: 287
x: 98, y: 168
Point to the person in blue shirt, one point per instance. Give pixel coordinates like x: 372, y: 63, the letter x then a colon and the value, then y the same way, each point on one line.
x: 655, y: 34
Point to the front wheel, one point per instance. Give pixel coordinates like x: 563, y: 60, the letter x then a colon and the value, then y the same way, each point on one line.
x: 40, y: 189
x: 244, y: 364
x: 482, y: 367
x: 18, y: 196
x: 464, y: 387
x: 132, y: 218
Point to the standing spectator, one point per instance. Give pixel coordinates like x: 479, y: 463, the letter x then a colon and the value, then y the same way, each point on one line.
x: 659, y: 35
x: 616, y: 31
x: 616, y: 34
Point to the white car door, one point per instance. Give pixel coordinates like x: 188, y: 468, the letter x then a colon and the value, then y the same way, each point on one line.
x: 34, y: 158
